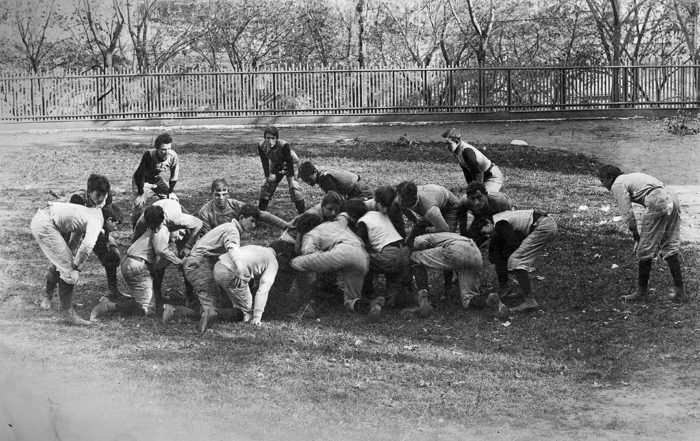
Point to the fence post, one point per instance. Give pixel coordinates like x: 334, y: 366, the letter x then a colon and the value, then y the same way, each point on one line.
x: 509, y: 88
x: 274, y: 92
x: 562, y: 86
x: 160, y: 101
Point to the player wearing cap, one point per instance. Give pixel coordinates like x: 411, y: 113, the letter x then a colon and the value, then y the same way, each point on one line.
x: 475, y: 165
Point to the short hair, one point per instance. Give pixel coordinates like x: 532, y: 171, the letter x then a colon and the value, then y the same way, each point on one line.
x: 164, y: 138
x: 385, y: 195
x: 307, y: 222
x: 271, y: 130
x: 475, y: 186
x: 98, y: 183
x: 609, y: 171
x: 249, y: 211
x: 355, y: 208
x: 219, y: 183
x: 332, y: 197
x: 112, y: 211
x: 153, y: 215
x: 408, y: 191
x: 306, y: 169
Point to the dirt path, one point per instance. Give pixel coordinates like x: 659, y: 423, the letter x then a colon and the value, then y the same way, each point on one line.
x: 633, y: 145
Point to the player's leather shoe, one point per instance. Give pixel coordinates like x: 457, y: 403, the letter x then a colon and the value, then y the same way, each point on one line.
x: 493, y: 301
x: 679, y: 295
x: 45, y: 303
x: 103, y: 306
x: 71, y: 317
x: 206, y: 319
x: 310, y: 311
x: 168, y: 313
x: 529, y: 304
x: 425, y: 308
x: 375, y: 308
x: 640, y: 295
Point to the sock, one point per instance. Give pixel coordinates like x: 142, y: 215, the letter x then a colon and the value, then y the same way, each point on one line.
x: 674, y: 264
x: 644, y: 272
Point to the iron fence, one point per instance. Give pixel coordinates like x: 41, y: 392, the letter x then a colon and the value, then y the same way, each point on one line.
x: 109, y: 95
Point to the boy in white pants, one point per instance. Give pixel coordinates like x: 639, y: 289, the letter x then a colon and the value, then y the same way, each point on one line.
x: 83, y: 225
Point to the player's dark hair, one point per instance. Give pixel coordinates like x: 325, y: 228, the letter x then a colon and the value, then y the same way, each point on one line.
x: 332, y: 197
x: 385, y: 195
x: 307, y: 222
x: 306, y: 169
x: 249, y: 211
x: 475, y: 186
x: 271, y: 130
x: 98, y: 183
x: 355, y: 208
x: 408, y: 191
x: 164, y: 138
x: 153, y: 215
x: 609, y: 171
x: 223, y: 183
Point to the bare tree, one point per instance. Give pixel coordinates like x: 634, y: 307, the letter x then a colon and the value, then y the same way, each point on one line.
x: 483, y: 28
x: 33, y: 23
x: 159, y: 30
x: 688, y: 18
x: 102, y: 29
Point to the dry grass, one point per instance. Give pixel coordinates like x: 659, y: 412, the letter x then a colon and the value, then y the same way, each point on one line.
x: 395, y: 379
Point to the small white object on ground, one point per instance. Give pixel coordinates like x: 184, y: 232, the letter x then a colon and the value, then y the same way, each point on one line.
x: 583, y: 208
x: 518, y: 142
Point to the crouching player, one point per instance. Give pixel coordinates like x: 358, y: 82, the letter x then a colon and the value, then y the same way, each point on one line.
x: 49, y: 227
x: 332, y: 246
x: 150, y: 251
x: 448, y: 252
x: 199, y: 265
x: 517, y: 238
x: 233, y: 273
x: 388, y: 253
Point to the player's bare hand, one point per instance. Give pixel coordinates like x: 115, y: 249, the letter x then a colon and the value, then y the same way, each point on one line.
x: 255, y: 321
x: 636, y: 245
x: 140, y: 199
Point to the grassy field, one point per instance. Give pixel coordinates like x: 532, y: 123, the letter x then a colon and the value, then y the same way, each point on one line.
x: 458, y: 374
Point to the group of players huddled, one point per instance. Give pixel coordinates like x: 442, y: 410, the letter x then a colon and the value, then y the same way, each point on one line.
x: 354, y: 234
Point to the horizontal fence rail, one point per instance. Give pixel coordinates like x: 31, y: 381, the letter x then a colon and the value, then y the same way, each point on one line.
x: 110, y: 95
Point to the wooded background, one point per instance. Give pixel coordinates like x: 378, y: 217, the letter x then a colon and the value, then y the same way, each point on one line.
x: 41, y: 35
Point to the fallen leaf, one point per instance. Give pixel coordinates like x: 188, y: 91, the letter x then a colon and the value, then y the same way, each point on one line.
x: 624, y: 383
x: 505, y: 324
x: 539, y: 277
x: 596, y: 256
x: 614, y: 265
x: 617, y: 218
x: 603, y: 222
x: 583, y: 208
x: 409, y: 348
x: 605, y: 208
